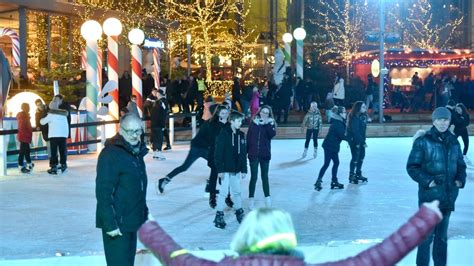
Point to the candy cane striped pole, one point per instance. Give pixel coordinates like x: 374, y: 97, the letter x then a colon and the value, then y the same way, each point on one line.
x: 137, y: 76
x: 287, y: 53
x: 92, y: 90
x: 112, y: 62
x: 15, y: 44
x: 156, y: 67
x: 83, y: 59
x: 299, y: 58
x: 99, y: 69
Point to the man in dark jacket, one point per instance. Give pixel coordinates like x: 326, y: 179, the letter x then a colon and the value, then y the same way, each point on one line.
x: 436, y: 164
x: 158, y: 114
x: 230, y: 157
x: 121, y: 184
x: 41, y: 112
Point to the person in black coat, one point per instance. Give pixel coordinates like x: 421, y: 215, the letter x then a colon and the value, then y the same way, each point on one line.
x: 42, y: 111
x: 121, y: 184
x: 158, y: 114
x: 284, y: 99
x: 436, y: 164
x: 331, y: 146
x: 125, y: 89
x: 230, y: 158
x: 461, y: 121
x: 356, y: 134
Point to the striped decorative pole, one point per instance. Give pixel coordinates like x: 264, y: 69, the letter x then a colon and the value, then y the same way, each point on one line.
x: 287, y: 39
x: 113, y: 28
x: 15, y: 44
x: 83, y: 59
x: 99, y: 69
x: 156, y: 67
x: 91, y: 31
x: 136, y: 37
x: 299, y: 34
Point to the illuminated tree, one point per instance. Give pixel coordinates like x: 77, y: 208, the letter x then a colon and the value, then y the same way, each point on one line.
x: 339, y: 26
x: 425, y: 29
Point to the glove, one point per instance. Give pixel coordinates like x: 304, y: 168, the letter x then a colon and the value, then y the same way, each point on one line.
x: 114, y: 233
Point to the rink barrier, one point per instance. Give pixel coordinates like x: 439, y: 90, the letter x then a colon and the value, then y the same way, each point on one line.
x: 9, y: 145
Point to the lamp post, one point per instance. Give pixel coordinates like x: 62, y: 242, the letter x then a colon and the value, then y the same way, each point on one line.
x: 91, y: 31
x: 383, y: 71
x: 287, y: 39
x: 299, y: 34
x: 136, y: 37
x: 112, y: 28
x: 265, y: 64
x: 188, y: 43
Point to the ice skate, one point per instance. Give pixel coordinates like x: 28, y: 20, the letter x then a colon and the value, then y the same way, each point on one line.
x: 315, y: 153
x: 239, y: 214
x: 336, y: 185
x: 24, y: 169
x: 53, y: 170
x: 167, y: 148
x: 353, y: 179
x: 219, y: 220
x: 158, y: 156
x: 63, y: 168
x: 229, y: 202
x: 305, y: 152
x: 318, y: 185
x: 162, y: 182
x: 361, y: 178
x: 30, y: 166
x: 268, y: 202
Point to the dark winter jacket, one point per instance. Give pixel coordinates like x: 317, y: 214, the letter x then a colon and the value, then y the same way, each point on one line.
x: 336, y: 134
x: 230, y: 155
x: 215, y: 128
x: 158, y: 114
x: 121, y: 184
x: 202, y: 138
x: 259, y: 137
x: 460, y: 122
x: 438, y: 160
x: 44, y: 128
x: 356, y: 132
x: 388, y: 252
x: 25, y: 131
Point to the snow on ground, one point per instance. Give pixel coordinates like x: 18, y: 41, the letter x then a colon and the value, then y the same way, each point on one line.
x: 42, y: 215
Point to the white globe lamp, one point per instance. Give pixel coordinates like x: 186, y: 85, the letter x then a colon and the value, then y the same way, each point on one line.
x: 136, y: 36
x: 299, y: 34
x: 287, y: 37
x: 112, y: 27
x: 91, y: 30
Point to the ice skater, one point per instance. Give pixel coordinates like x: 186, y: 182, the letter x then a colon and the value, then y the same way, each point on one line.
x: 231, y: 164
x: 331, y: 146
x: 25, y: 133
x: 259, y: 136
x: 312, y: 121
x: 356, y: 134
x: 460, y: 122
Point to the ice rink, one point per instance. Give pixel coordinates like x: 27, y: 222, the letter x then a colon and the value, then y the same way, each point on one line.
x: 42, y: 215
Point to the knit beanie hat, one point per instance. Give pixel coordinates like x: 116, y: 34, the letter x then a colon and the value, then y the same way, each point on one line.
x: 441, y: 113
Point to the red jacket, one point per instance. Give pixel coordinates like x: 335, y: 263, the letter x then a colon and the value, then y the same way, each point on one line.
x: 25, y: 131
x: 389, y: 252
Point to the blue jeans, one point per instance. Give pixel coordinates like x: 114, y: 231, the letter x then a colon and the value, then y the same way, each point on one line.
x: 440, y: 246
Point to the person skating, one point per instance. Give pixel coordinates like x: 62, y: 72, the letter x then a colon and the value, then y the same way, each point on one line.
x: 42, y: 111
x: 436, y: 163
x: 461, y: 121
x: 199, y: 149
x: 267, y: 237
x: 158, y: 113
x: 259, y: 135
x: 331, y: 146
x: 356, y: 135
x: 25, y: 134
x: 230, y: 158
x: 312, y: 121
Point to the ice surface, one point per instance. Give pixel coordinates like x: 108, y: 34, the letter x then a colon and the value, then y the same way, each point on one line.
x: 42, y: 214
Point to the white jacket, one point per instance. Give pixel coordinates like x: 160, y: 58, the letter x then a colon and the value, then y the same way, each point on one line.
x: 57, y: 125
x: 339, y: 91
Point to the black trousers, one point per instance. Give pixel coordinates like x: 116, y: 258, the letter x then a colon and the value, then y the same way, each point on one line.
x: 24, y: 153
x: 213, y: 180
x: 264, y: 165
x: 328, y: 157
x: 285, y: 108
x: 309, y: 133
x: 465, y: 139
x: 57, y: 144
x: 193, y: 154
x: 166, y: 134
x: 440, y: 245
x: 120, y: 250
x: 157, y: 138
x: 358, y: 154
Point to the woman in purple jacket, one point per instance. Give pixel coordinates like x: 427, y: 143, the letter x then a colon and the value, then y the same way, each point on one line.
x: 259, y: 137
x: 267, y: 237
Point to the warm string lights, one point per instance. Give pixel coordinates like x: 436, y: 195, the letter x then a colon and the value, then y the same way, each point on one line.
x: 424, y: 29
